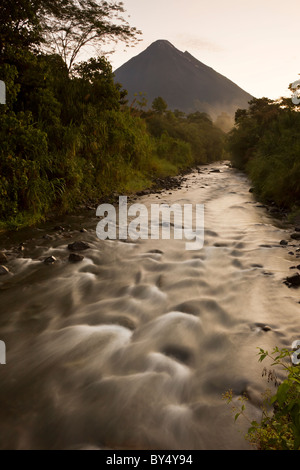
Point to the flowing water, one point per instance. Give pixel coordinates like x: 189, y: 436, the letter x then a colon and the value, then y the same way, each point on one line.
x: 133, y: 347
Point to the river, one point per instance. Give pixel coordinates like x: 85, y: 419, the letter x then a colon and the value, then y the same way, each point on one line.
x: 133, y: 347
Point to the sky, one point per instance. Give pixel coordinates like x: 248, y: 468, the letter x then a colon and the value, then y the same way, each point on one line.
x: 254, y: 43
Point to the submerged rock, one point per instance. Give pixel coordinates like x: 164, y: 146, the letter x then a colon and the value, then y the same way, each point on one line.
x: 293, y: 281
x: 78, y: 246
x: 3, y: 270
x: 295, y: 236
x: 3, y: 257
x: 59, y: 228
x: 266, y: 328
x: 75, y: 258
x: 283, y: 242
x: 50, y: 260
x: 47, y: 237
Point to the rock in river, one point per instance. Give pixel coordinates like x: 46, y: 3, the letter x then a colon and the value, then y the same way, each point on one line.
x: 75, y: 258
x: 50, y: 260
x: 295, y: 236
x: 3, y: 257
x: 78, y: 246
x: 293, y: 281
x: 3, y: 270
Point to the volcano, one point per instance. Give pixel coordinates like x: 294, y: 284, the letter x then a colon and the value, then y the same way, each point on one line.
x: 181, y: 80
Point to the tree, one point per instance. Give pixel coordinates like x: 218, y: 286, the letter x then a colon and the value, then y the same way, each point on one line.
x: 64, y: 27
x: 87, y: 23
x: 159, y: 105
x: 94, y: 84
x: 23, y: 22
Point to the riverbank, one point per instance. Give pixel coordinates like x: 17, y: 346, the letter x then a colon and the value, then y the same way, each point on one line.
x: 145, y: 334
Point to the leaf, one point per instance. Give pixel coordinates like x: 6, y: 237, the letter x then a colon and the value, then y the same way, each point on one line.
x: 262, y: 357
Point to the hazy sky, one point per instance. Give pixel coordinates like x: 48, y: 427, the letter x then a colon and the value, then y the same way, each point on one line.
x: 254, y: 43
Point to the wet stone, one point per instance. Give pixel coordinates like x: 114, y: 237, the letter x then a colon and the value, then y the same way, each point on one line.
x: 295, y: 236
x: 78, y: 246
x: 266, y: 328
x: 47, y: 237
x: 75, y: 258
x: 50, y: 260
x: 3, y: 270
x: 3, y: 258
x: 263, y: 327
x: 293, y: 281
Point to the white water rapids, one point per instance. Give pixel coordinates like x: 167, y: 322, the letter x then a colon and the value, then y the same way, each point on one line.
x: 133, y: 347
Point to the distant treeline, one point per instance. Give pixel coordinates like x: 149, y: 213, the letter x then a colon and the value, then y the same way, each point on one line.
x: 68, y: 134
x: 266, y: 144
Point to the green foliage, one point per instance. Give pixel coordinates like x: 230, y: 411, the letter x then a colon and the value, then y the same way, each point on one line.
x: 174, y: 150
x: 279, y: 430
x: 159, y: 105
x: 70, y: 137
x: 266, y: 144
x: 23, y: 166
x: 205, y: 141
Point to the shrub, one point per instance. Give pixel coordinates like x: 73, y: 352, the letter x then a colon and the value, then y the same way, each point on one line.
x: 279, y: 430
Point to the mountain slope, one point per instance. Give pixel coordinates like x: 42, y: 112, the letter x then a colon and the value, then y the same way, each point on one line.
x: 184, y: 82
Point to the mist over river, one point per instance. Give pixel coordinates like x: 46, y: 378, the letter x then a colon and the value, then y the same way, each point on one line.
x: 133, y: 347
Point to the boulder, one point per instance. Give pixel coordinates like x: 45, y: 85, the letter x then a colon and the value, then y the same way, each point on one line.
x: 293, y: 281
x: 78, y: 246
x: 295, y: 236
x: 75, y: 258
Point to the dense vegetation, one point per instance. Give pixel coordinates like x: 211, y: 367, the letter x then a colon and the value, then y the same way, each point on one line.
x: 265, y: 143
x: 279, y: 428
x: 67, y: 133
